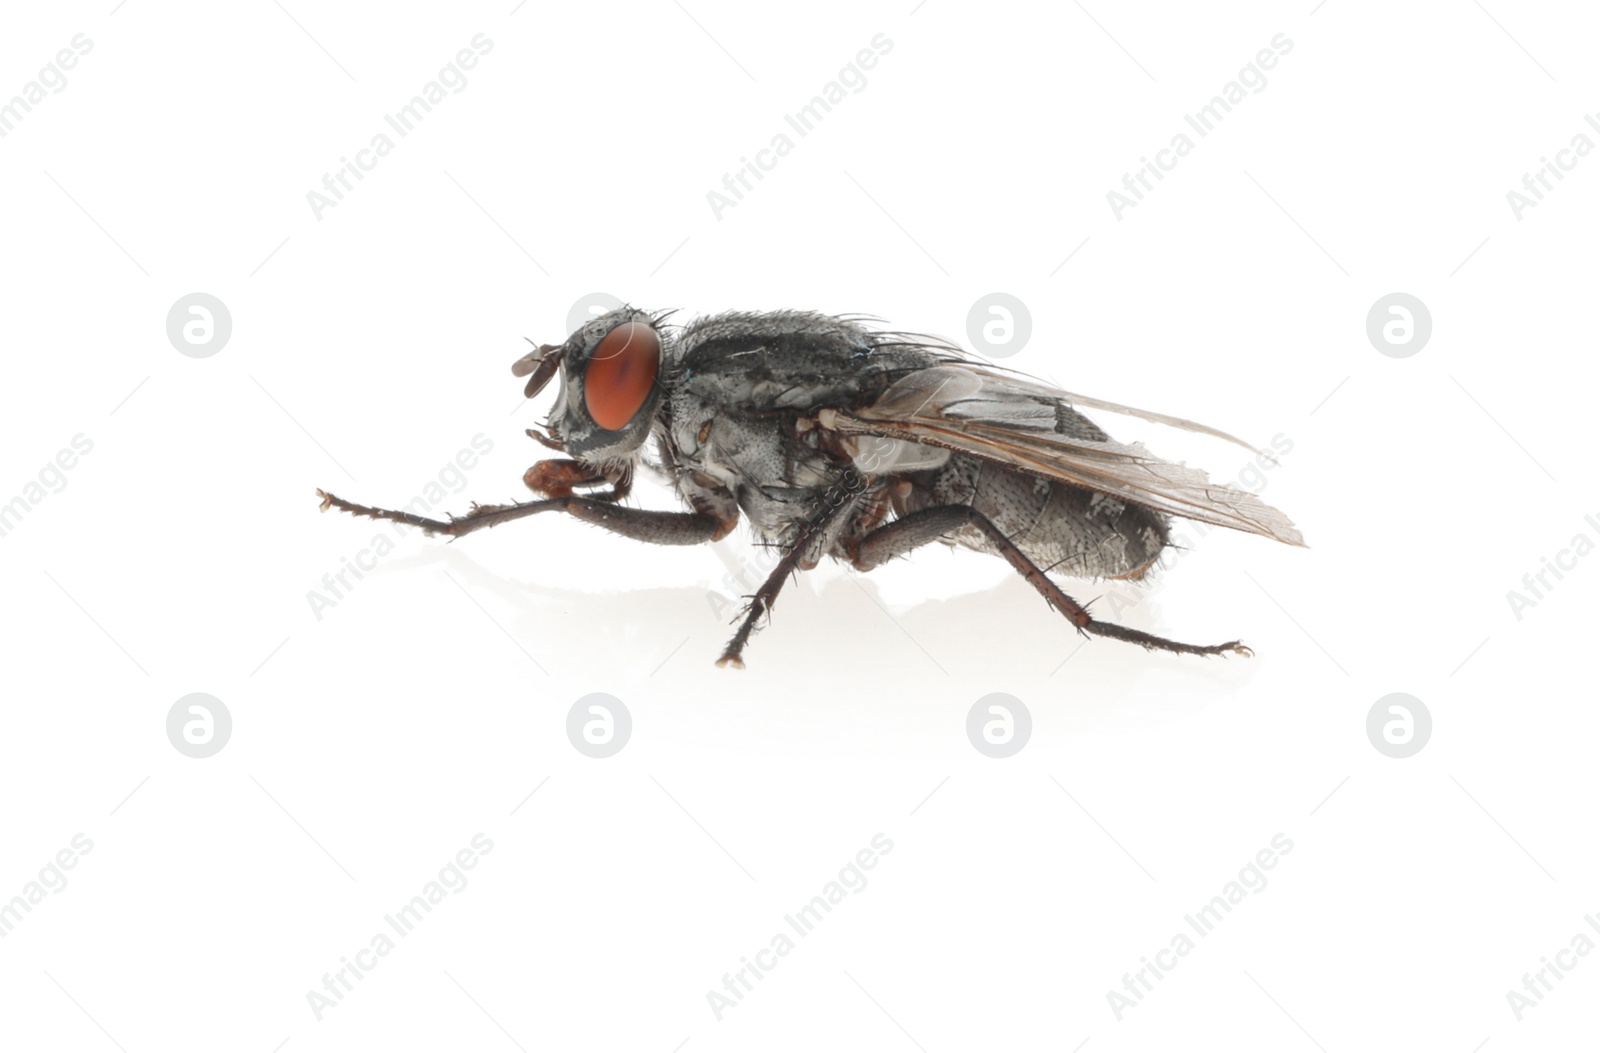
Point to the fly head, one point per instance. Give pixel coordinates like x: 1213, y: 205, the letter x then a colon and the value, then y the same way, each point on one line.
x: 609, y: 384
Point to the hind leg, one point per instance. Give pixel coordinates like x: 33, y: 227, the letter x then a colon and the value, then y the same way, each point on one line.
x: 931, y: 524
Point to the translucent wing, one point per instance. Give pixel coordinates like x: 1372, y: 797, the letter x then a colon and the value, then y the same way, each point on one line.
x: 1032, y: 427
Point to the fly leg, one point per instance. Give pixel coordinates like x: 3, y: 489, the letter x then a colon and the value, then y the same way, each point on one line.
x: 837, y: 501
x: 761, y: 603
x: 931, y: 524
x: 640, y: 524
x: 558, y: 477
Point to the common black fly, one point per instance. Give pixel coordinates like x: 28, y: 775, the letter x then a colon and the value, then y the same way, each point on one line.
x: 837, y: 439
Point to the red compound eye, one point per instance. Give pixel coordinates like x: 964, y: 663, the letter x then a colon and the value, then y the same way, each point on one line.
x: 620, y: 374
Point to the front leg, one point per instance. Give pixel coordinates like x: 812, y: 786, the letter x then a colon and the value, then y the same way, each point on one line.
x: 640, y: 524
x: 558, y: 477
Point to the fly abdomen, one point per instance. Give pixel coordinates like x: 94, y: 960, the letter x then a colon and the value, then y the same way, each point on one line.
x: 1066, y: 529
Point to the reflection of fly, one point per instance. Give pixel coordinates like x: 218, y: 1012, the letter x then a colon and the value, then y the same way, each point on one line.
x: 836, y: 439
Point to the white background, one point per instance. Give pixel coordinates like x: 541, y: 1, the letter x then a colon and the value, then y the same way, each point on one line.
x: 371, y: 344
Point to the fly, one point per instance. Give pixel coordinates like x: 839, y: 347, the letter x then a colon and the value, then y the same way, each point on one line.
x: 837, y: 439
